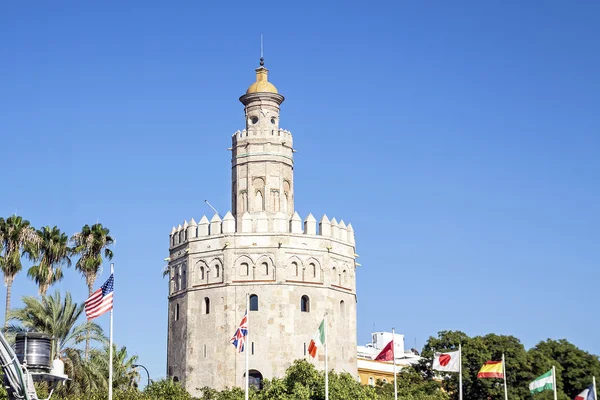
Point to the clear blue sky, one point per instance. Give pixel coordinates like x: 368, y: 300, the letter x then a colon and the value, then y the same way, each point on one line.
x: 460, y: 139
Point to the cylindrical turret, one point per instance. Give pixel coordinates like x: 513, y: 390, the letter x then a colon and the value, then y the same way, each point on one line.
x: 262, y: 155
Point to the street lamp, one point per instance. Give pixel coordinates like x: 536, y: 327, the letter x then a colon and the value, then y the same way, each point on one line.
x: 147, y: 373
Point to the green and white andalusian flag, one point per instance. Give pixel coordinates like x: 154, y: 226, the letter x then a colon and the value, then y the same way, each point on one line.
x: 544, y: 382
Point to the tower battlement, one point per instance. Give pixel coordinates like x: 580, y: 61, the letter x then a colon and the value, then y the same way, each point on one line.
x: 281, y: 134
x: 262, y: 223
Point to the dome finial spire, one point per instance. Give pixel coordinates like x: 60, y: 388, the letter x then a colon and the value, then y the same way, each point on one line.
x: 262, y: 55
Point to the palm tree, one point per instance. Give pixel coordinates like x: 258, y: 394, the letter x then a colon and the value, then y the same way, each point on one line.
x: 90, y: 244
x: 18, y: 238
x: 125, y: 375
x: 57, y: 317
x: 54, y: 250
x: 93, y: 373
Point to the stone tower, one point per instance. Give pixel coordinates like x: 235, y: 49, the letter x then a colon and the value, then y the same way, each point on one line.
x: 294, y: 271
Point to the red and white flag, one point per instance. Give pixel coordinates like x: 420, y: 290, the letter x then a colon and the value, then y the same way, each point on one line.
x: 449, y: 362
x: 587, y: 394
x: 387, y: 354
x: 101, y: 300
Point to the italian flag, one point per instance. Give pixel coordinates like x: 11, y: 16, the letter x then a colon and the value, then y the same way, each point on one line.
x: 544, y: 382
x: 317, y: 341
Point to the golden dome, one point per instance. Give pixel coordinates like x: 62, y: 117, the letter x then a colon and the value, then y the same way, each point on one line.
x: 262, y: 83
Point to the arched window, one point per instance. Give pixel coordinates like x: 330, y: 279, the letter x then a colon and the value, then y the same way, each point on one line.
x: 177, y: 312
x: 181, y: 237
x: 295, y: 267
x: 183, y: 278
x: 245, y: 269
x: 177, y: 279
x: 342, y: 309
x: 313, y: 268
x: 371, y: 381
x: 266, y: 268
x: 185, y: 235
x: 253, y: 302
x: 206, y: 305
x: 344, y: 276
x: 385, y: 380
x: 305, y: 304
x: 217, y: 270
x: 201, y: 273
x: 173, y: 239
x: 260, y: 204
x: 255, y: 378
x: 175, y: 379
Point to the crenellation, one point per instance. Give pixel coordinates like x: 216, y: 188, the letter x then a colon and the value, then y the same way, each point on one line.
x: 215, y: 225
x: 296, y: 224
x: 310, y: 225
x: 192, y: 229
x: 343, y: 232
x: 280, y: 223
x: 325, y: 226
x: 246, y: 223
x: 350, y: 230
x: 228, y: 223
x: 262, y: 222
x: 335, y: 229
x: 203, y: 226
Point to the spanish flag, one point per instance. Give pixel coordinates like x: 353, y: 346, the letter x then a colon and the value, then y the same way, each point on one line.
x: 491, y: 369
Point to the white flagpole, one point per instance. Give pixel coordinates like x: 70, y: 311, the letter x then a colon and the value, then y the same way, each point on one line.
x: 110, y: 343
x: 504, y: 374
x: 394, y: 361
x: 326, y: 367
x: 247, y: 345
x: 460, y: 394
x: 595, y: 391
x: 554, y: 383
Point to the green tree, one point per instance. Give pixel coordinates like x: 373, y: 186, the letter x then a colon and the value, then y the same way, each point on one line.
x: 475, y: 352
x: 57, y: 317
x: 18, y: 238
x: 91, y: 244
x: 574, y: 367
x: 53, y: 252
x: 167, y: 389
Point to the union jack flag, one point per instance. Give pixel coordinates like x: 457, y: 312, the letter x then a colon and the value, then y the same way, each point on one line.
x: 239, y: 338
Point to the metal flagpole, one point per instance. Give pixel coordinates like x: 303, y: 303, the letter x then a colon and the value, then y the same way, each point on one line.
x: 247, y: 344
x: 554, y: 382
x: 110, y: 343
x: 504, y: 374
x: 326, y: 367
x: 595, y: 391
x: 394, y: 361
x: 460, y: 371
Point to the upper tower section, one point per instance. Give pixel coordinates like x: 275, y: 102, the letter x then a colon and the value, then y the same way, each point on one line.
x: 262, y: 154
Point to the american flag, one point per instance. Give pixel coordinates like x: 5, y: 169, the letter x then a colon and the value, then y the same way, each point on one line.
x: 101, y: 300
x: 239, y: 338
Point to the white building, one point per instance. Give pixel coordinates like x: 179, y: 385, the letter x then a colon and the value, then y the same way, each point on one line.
x: 370, y: 370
